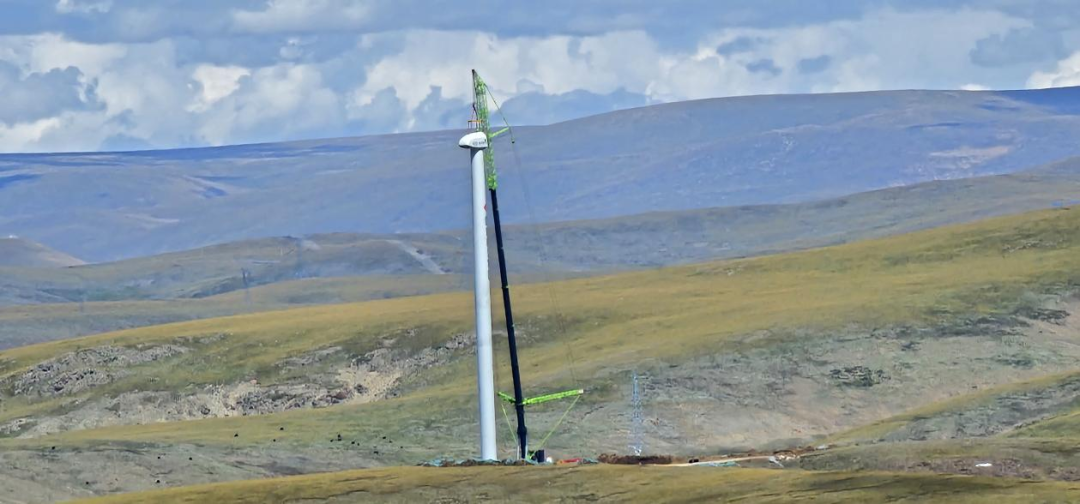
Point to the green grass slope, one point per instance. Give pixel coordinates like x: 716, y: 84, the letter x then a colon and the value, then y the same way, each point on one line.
x: 610, y: 484
x: 914, y: 278
x: 549, y: 251
x: 26, y: 324
x: 218, y: 269
x: 740, y: 351
x: 1027, y: 429
x: 991, y: 412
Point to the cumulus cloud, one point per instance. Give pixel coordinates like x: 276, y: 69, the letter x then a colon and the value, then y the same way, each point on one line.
x: 40, y: 95
x: 738, y: 45
x: 140, y: 93
x: 285, y: 77
x: 285, y: 101
x: 22, y: 136
x: 1018, y: 46
x: 765, y: 66
x: 814, y: 65
x: 837, y: 56
x: 48, y: 51
x: 1067, y: 73
x: 215, y: 83
x: 301, y: 16
x: 857, y: 55
x: 384, y: 112
x: 82, y: 7
x: 559, y: 64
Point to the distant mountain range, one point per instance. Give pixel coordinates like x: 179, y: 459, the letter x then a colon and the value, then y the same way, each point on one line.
x: 547, y: 250
x: 681, y: 156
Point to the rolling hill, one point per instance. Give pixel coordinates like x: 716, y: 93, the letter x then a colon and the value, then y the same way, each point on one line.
x: 763, y: 352
x: 346, y: 267
x: 681, y: 156
x: 601, y: 245
x: 20, y: 252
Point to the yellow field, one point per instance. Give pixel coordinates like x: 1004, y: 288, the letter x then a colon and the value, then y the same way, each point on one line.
x: 582, y: 332
x: 612, y: 321
x: 606, y: 483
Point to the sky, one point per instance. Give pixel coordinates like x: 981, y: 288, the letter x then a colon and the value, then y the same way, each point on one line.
x: 90, y: 75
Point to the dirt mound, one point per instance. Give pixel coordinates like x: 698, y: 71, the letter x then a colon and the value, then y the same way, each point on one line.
x: 329, y: 378
x: 474, y: 463
x: 377, y: 374
x: 310, y: 358
x: 858, y: 376
x: 77, y: 371
x: 1002, y: 468
x: 612, y: 458
x: 212, y: 401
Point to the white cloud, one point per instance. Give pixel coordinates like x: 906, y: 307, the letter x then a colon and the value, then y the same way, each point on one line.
x: 884, y: 49
x: 301, y: 15
x: 1067, y: 73
x: 24, y: 136
x: 293, y: 48
x: 281, y: 101
x: 556, y: 64
x: 216, y: 82
x: 974, y: 87
x: 79, y: 7
x: 156, y: 93
x: 44, y: 52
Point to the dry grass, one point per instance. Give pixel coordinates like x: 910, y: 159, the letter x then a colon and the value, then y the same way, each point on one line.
x: 611, y: 484
x: 879, y: 429
x: 614, y: 321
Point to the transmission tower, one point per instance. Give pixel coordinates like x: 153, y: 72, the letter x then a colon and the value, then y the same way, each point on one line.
x: 299, y: 273
x: 245, y: 276
x: 637, y: 418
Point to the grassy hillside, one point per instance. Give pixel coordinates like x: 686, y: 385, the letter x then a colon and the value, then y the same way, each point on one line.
x: 756, y: 352
x: 911, y: 279
x: 34, y: 323
x: 392, y: 265
x: 1026, y: 429
x: 19, y: 252
x: 612, y: 484
x: 986, y: 413
x: 221, y: 268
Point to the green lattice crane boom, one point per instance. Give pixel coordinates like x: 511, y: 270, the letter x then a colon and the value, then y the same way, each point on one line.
x: 482, y: 123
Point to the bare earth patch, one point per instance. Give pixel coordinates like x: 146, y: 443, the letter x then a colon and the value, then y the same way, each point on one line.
x: 373, y: 376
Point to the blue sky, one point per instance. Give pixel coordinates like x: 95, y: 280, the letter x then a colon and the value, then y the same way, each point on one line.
x: 133, y: 74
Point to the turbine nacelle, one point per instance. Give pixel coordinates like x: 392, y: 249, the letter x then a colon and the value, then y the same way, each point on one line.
x: 474, y: 140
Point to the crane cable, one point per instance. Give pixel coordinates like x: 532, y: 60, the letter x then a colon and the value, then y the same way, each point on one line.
x: 544, y: 263
x: 535, y: 225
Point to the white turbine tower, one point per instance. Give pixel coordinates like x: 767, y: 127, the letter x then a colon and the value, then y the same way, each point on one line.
x: 476, y: 142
